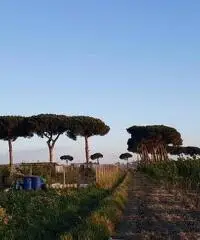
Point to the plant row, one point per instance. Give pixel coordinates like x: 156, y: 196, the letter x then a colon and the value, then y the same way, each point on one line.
x: 101, y: 223
x: 186, y: 172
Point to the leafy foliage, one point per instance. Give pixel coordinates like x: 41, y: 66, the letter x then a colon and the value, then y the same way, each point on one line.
x: 155, y: 133
x: 46, y: 215
x: 12, y: 127
x: 96, y: 156
x: 50, y: 126
x: 101, y: 223
x: 86, y: 127
x: 61, y: 214
x: 181, y: 171
x: 152, y: 140
x: 178, y: 150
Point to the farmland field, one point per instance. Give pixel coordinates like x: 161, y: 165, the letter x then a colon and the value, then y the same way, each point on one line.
x: 163, y: 203
x: 153, y: 212
x: 57, y: 214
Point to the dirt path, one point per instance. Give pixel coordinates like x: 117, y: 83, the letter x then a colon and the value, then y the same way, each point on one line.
x: 153, y: 213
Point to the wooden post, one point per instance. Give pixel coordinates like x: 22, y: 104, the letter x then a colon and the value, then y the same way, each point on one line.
x: 64, y: 176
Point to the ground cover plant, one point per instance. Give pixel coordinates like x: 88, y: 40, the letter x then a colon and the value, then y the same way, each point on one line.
x: 44, y: 215
x: 182, y: 171
x: 48, y: 214
x: 101, y: 223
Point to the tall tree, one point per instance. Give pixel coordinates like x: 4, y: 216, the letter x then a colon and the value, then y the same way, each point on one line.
x: 87, y: 127
x: 12, y: 127
x: 50, y: 126
x: 125, y: 156
x: 96, y: 156
x: 151, y: 141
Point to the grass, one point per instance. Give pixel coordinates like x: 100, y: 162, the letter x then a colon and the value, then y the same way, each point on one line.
x: 45, y: 215
x: 185, y: 172
x: 101, y: 223
x: 180, y: 177
x: 61, y: 214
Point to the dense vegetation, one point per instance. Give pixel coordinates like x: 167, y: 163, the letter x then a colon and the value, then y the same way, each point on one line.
x: 45, y: 215
x: 100, y: 224
x: 150, y: 142
x: 182, y: 150
x: 56, y: 214
x: 182, y: 171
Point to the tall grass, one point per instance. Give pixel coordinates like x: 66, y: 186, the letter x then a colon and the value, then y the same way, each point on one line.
x: 108, y: 175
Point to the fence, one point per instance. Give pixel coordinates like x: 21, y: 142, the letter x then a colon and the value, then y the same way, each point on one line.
x: 107, y: 175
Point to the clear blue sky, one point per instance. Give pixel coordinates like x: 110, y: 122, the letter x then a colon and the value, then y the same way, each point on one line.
x: 128, y: 62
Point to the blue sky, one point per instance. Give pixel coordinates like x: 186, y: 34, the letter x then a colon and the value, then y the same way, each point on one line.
x: 127, y: 62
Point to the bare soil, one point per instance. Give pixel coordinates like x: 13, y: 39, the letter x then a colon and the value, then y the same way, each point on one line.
x: 153, y: 212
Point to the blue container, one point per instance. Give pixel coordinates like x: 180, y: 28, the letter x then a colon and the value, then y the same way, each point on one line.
x: 36, y: 182
x: 27, y: 183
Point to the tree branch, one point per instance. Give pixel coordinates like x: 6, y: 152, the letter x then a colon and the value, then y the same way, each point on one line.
x: 54, y: 140
x: 46, y: 135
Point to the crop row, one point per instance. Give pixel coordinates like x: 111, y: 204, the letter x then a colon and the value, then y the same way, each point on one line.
x: 185, y: 172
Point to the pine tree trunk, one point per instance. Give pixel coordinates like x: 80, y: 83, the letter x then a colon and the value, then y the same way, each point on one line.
x: 165, y: 153
x: 86, y: 150
x: 51, y: 148
x: 154, y: 155
x: 159, y: 152
x: 10, y: 153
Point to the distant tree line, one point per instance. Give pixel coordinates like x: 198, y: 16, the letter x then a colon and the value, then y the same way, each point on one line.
x: 50, y: 127
x: 152, y: 143
x: 182, y: 150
